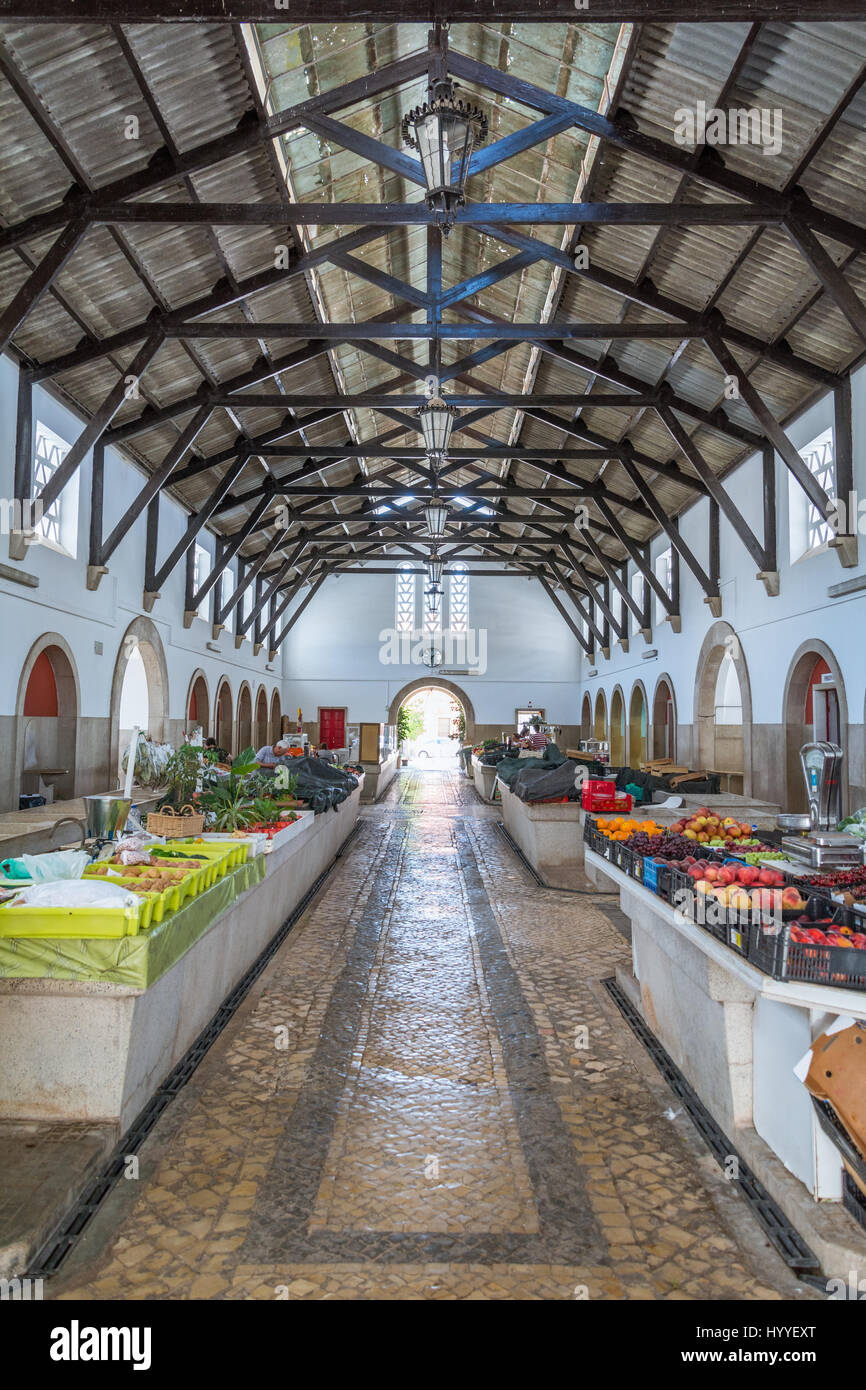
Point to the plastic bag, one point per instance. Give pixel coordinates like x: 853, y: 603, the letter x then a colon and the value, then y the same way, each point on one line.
x: 53, y: 868
x: 855, y: 824
x: 83, y: 892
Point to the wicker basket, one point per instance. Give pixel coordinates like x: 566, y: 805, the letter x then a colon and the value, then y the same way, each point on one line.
x: 174, y: 824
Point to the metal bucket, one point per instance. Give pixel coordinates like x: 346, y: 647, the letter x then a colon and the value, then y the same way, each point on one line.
x: 106, y: 815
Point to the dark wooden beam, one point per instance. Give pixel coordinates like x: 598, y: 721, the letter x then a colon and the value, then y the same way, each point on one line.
x: 400, y: 332
x: 822, y: 264
x: 40, y: 280
x: 421, y: 11
x: 261, y: 214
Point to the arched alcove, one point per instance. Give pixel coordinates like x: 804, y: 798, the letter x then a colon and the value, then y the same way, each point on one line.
x: 664, y: 721
x: 805, y: 719
x: 617, y: 728
x: 276, y: 717
x: 637, y: 726
x: 47, y: 713
x: 599, y: 728
x: 245, y: 717
x: 586, y: 718
x: 723, y: 707
x: 261, y: 723
x: 436, y: 683
x: 141, y: 644
x: 198, y: 704
x: 224, y: 717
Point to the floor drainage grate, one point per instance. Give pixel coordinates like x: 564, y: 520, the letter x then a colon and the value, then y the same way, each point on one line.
x: 786, y: 1239
x: 533, y: 872
x: 56, y: 1249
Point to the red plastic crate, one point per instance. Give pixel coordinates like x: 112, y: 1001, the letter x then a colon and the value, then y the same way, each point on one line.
x: 604, y: 805
x: 596, y: 789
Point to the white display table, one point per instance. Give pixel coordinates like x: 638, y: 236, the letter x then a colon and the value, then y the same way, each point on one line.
x: 90, y: 1050
x: 484, y: 778
x: 736, y: 1035
x: 550, y: 835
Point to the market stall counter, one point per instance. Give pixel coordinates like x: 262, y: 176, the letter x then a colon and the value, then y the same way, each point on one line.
x: 484, y: 779
x: 89, y: 1028
x: 737, y: 1034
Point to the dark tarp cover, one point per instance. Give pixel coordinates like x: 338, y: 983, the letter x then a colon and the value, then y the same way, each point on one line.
x: 546, y: 783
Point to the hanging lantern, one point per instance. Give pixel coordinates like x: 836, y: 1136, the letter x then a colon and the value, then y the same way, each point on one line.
x: 434, y: 570
x: 436, y: 515
x: 436, y: 419
x: 444, y: 131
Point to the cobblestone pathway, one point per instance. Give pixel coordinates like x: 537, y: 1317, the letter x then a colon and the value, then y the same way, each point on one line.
x: 431, y: 1129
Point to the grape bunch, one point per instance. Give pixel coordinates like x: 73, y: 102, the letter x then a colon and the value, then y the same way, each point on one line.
x: 668, y: 845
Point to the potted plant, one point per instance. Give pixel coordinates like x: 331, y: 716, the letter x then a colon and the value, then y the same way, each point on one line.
x: 231, y: 802
x: 179, y: 815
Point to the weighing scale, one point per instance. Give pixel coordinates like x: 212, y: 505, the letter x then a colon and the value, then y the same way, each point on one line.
x: 823, y: 847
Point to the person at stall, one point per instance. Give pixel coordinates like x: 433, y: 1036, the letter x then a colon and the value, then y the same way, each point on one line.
x: 324, y: 753
x: 213, y: 753
x: 267, y: 755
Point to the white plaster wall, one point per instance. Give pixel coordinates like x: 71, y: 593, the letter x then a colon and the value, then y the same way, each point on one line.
x: 333, y: 651
x: 63, y: 604
x: 769, y: 629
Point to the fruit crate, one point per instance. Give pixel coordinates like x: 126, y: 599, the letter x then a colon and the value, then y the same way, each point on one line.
x: 851, y: 1157
x: 773, y: 952
x: 657, y: 878
x: 731, y: 930
x: 627, y: 860
x: 594, y: 840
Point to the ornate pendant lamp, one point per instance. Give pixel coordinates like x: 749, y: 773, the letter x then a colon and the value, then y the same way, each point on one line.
x: 436, y: 419
x: 436, y: 515
x: 444, y: 131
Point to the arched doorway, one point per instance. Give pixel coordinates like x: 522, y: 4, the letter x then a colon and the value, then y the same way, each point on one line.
x: 276, y: 717
x: 586, y: 718
x: 617, y: 729
x: 637, y: 726
x: 815, y: 708
x: 437, y: 683
x: 664, y: 725
x: 141, y: 649
x: 261, y: 729
x: 723, y: 708
x: 224, y: 717
x: 198, y: 705
x: 245, y: 718
x: 599, y: 730
x: 47, y: 721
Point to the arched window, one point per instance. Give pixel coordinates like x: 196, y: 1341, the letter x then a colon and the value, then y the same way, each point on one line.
x: 458, y: 599
x: 405, y: 621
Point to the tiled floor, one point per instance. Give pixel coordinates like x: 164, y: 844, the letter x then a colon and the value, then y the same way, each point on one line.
x: 429, y: 1095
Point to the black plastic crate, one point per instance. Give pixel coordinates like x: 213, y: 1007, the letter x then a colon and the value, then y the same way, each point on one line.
x: 773, y: 952
x: 853, y: 1200
x: 657, y: 877
x: 594, y: 840
x: 732, y: 928
x: 838, y: 1135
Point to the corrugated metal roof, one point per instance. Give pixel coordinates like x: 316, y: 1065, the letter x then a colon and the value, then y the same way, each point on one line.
x: 198, y: 77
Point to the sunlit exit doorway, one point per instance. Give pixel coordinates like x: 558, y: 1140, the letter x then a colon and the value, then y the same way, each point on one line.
x: 430, y: 724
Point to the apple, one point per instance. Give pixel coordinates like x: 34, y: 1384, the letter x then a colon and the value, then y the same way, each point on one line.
x: 728, y: 822
x: 726, y: 875
x: 703, y: 885
x: 766, y: 899
x: 767, y: 876
x: 738, y: 898
x: 703, y: 837
x: 690, y: 834
x: 748, y: 874
x: 712, y: 873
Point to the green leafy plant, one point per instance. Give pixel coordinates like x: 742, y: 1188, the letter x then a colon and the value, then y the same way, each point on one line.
x: 410, y: 724
x: 182, y: 773
x: 231, y: 801
x: 285, y: 782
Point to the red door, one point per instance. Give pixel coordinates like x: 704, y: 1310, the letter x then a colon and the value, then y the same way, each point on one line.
x: 332, y: 727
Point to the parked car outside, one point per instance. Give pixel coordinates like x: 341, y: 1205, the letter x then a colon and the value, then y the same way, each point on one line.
x: 437, y: 748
